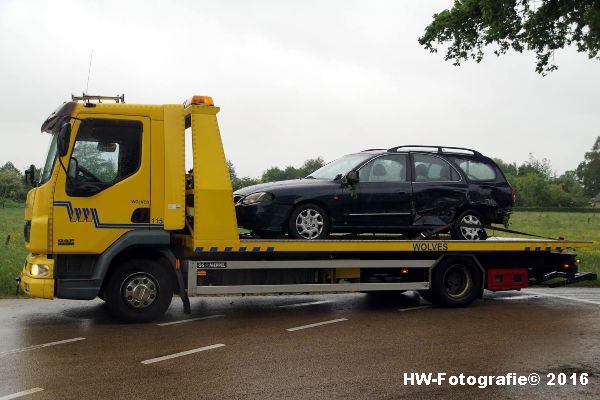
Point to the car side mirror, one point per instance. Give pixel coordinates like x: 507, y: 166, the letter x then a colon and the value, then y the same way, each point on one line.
x: 30, y: 175
x: 64, y: 137
x: 351, y: 178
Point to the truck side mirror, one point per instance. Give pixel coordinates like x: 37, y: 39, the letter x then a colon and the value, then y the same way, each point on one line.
x: 30, y: 175
x: 64, y: 137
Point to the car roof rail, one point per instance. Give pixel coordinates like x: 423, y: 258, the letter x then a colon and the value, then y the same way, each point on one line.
x: 372, y: 149
x: 440, y: 149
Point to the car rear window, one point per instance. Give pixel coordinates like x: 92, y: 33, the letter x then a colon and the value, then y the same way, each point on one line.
x: 476, y: 170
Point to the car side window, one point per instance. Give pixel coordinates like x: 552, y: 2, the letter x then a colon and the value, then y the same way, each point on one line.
x: 475, y: 170
x: 433, y: 169
x: 390, y: 168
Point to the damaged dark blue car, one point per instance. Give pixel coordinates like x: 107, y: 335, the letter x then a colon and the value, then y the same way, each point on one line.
x: 404, y: 190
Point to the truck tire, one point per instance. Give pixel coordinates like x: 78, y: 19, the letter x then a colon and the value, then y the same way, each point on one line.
x: 139, y: 290
x: 455, y: 282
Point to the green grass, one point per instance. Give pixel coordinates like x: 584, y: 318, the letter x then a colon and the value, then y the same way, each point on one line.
x: 572, y: 226
x: 12, y: 255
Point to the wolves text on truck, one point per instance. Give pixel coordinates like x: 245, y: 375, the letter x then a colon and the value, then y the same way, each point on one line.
x: 110, y: 217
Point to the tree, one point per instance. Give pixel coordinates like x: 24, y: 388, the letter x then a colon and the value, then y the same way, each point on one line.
x: 588, y: 171
x: 11, y: 183
x: 542, y: 26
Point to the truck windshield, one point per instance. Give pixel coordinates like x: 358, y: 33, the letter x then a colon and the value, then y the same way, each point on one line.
x: 49, y: 164
x: 338, y: 168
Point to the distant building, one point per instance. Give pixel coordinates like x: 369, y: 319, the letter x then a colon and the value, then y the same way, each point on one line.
x: 596, y: 201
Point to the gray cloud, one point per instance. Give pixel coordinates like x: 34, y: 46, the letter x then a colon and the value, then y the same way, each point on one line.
x: 294, y: 79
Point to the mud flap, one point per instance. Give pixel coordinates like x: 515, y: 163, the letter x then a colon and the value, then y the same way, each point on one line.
x: 183, y: 292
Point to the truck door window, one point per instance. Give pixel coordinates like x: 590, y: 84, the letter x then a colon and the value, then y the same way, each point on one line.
x: 105, y: 152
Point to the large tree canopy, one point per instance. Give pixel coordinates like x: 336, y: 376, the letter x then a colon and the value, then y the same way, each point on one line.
x: 541, y: 26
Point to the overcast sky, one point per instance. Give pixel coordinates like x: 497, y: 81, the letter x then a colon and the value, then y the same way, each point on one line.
x: 294, y: 79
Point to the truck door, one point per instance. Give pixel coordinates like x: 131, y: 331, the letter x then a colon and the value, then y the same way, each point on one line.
x: 383, y: 194
x: 107, y: 190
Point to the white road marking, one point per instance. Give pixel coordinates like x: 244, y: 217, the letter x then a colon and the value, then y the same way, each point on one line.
x: 317, y: 324
x: 183, y: 353
x: 518, y: 297
x: 39, y: 346
x: 310, y: 303
x: 558, y: 296
x: 413, y: 308
x: 21, y: 394
x: 181, y: 321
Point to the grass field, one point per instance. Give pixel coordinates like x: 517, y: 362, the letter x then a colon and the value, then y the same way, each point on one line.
x: 12, y: 255
x: 575, y: 226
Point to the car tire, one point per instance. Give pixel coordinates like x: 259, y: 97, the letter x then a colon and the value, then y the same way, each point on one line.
x: 308, y: 222
x: 139, y: 290
x: 460, y: 232
x: 455, y: 282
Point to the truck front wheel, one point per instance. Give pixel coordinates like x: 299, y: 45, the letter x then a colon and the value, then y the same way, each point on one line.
x: 455, y: 282
x: 139, y: 290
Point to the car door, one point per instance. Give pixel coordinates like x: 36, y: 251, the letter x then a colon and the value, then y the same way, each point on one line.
x: 382, y: 194
x: 438, y: 190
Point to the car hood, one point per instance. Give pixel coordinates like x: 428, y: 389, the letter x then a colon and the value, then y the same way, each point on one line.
x: 281, y: 185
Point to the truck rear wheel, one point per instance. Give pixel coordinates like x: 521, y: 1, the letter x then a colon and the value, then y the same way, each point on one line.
x: 455, y: 282
x: 139, y: 290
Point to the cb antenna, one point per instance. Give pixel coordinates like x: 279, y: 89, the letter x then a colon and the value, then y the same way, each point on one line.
x: 89, y: 70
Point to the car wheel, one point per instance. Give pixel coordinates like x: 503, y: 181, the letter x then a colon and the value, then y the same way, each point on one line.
x: 455, y: 282
x: 308, y: 222
x: 139, y: 290
x: 469, y: 226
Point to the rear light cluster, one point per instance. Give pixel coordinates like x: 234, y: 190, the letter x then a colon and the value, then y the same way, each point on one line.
x: 514, y: 196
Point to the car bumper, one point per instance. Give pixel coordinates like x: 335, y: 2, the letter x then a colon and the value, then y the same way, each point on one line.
x: 37, y: 286
x: 267, y: 216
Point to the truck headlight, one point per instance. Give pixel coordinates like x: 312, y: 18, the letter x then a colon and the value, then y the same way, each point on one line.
x: 258, y: 197
x: 39, y: 269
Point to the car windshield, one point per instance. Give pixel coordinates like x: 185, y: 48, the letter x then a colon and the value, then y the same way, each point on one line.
x: 340, y: 167
x: 47, y: 169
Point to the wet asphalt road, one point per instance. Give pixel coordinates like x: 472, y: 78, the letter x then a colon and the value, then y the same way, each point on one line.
x: 248, y: 348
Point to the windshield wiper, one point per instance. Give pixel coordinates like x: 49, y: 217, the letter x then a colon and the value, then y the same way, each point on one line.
x: 309, y: 177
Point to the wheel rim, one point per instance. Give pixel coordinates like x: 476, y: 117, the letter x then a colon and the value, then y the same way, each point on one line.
x: 140, y: 290
x: 457, y: 281
x: 309, y: 223
x: 469, y: 232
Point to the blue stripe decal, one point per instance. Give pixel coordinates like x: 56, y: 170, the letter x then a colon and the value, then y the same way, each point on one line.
x: 527, y: 248
x: 256, y: 249
x: 270, y: 249
x: 199, y: 249
x: 214, y: 249
x: 83, y: 215
x: 227, y: 248
x: 242, y: 249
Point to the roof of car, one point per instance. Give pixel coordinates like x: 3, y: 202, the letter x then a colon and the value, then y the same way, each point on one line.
x: 449, y: 150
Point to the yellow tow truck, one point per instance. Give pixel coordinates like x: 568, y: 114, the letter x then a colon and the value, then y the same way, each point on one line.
x: 111, y: 216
